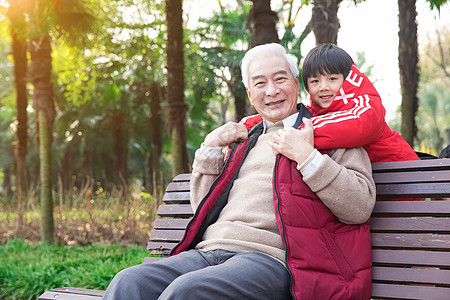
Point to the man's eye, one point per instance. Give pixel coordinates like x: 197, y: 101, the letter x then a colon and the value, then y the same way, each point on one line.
x: 259, y: 83
x: 280, y: 79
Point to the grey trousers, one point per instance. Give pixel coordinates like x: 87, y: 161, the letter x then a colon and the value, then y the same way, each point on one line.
x: 200, y: 275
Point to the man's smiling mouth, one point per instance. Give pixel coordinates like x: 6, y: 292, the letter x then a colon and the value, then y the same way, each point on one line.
x: 275, y: 102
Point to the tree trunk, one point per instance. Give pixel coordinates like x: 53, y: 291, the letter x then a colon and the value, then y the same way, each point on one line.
x: 324, y: 21
x: 262, y: 21
x: 408, y: 60
x: 175, y: 86
x: 19, y: 50
x: 156, y: 139
x: 117, y: 123
x: 237, y: 89
x: 40, y: 75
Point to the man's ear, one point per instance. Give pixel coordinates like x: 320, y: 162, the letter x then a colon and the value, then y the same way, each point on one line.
x: 297, y: 83
x: 249, y: 95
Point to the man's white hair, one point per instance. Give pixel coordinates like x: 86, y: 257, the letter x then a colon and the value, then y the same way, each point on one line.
x: 272, y: 48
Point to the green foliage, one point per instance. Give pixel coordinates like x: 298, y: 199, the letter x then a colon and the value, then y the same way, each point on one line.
x: 28, y: 270
x: 436, y: 3
x: 433, y: 118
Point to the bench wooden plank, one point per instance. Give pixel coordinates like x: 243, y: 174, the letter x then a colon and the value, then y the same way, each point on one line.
x: 411, y: 275
x: 410, y: 258
x: 176, y: 198
x: 181, y: 186
x: 434, y: 208
x: 394, y: 291
x: 414, y: 165
x: 182, y: 177
x: 72, y: 294
x: 180, y: 211
x: 166, y: 235
x: 413, y: 190
x: 408, y: 241
x: 162, y: 248
x: 426, y: 224
x: 411, y: 177
x: 171, y: 224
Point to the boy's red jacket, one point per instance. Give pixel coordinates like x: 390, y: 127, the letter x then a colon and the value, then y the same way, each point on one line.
x: 355, y: 118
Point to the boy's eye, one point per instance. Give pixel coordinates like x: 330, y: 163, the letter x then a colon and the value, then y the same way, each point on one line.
x: 313, y: 81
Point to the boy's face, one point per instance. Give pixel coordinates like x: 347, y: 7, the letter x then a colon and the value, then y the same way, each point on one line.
x: 324, y: 88
x: 273, y: 90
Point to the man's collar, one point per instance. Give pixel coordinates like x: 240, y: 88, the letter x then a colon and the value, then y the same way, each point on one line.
x: 287, y: 122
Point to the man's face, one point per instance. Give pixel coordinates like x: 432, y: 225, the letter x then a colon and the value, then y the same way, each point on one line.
x: 273, y: 91
x: 324, y: 88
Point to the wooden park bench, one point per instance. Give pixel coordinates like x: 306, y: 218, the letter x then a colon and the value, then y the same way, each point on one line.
x: 410, y: 239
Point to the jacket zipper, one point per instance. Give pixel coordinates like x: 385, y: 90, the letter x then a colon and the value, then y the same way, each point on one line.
x: 282, y: 224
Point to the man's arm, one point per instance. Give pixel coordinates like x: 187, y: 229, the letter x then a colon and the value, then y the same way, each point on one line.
x: 209, y: 159
x: 208, y: 163
x: 343, y: 182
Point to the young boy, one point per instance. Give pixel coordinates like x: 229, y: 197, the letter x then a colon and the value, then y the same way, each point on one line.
x: 347, y: 109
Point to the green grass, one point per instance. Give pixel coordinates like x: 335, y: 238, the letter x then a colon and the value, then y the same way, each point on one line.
x: 27, y: 270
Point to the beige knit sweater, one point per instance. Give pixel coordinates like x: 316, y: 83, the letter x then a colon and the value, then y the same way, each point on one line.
x: 247, y: 223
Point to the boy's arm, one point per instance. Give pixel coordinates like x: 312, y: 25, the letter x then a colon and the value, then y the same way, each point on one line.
x: 358, y: 123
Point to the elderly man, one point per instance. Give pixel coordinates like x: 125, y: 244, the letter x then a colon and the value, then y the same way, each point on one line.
x: 275, y: 218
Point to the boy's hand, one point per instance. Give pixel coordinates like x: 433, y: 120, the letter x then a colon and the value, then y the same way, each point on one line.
x: 295, y: 144
x: 226, y: 135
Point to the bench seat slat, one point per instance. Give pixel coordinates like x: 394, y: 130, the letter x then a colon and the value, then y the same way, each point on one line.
x: 411, y: 275
x: 151, y: 259
x: 164, y: 247
x: 410, y: 258
x: 50, y: 295
x: 397, y: 291
x: 413, y: 224
x: 408, y: 241
x: 72, y: 294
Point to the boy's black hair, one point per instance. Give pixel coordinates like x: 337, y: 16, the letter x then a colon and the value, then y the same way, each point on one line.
x: 326, y: 59
x: 445, y: 153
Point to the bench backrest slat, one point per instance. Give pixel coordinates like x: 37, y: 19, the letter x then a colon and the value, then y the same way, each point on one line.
x: 416, y: 275
x: 414, y: 165
x: 412, y: 177
x: 402, y: 258
x: 411, y: 225
x: 400, y: 291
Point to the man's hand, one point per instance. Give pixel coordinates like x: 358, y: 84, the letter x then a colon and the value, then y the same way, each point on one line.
x: 295, y: 144
x: 226, y: 135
